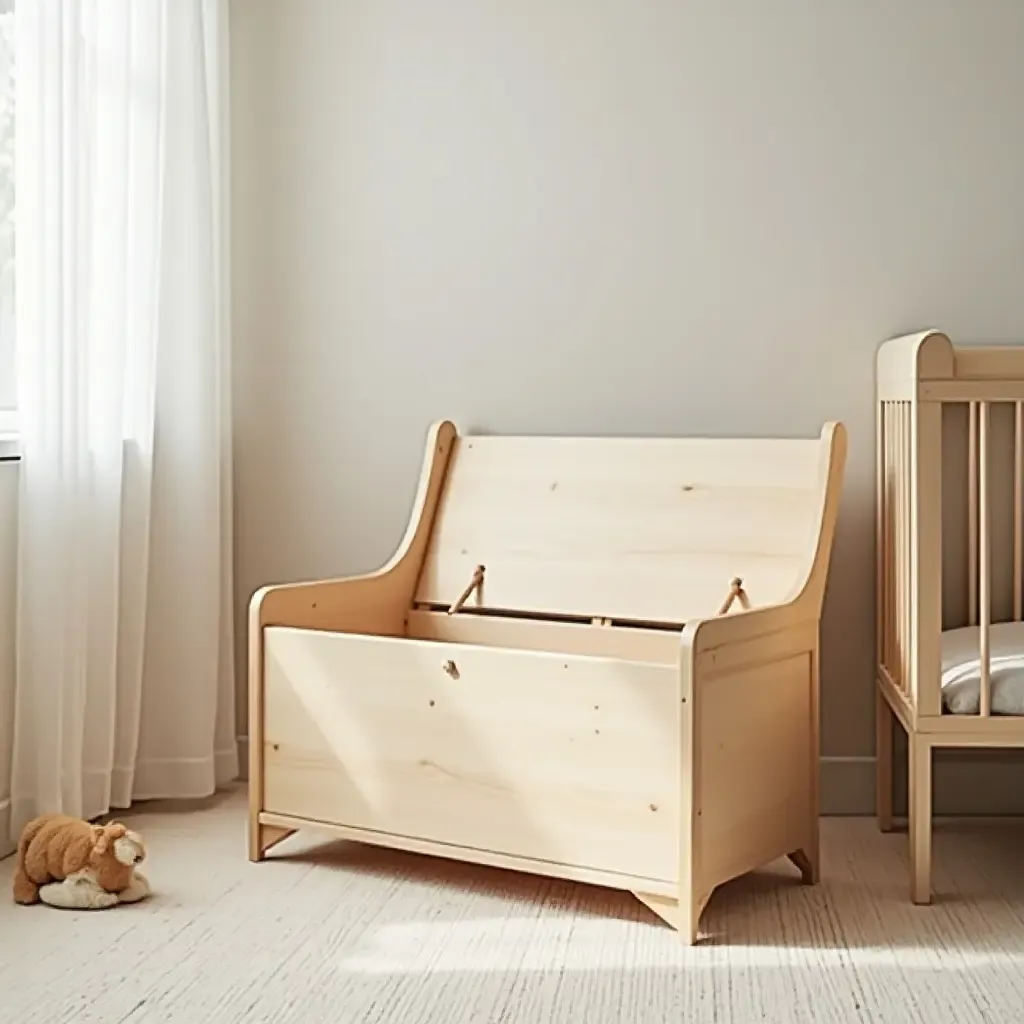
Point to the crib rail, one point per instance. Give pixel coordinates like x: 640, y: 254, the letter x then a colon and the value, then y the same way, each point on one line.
x: 910, y: 548
x: 950, y: 550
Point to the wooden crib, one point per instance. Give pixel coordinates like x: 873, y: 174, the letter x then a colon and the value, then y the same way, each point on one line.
x: 950, y: 640
x: 558, y: 673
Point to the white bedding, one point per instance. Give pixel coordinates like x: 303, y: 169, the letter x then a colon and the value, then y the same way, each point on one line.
x: 961, y: 669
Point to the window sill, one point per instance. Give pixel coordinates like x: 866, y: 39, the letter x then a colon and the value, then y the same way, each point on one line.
x: 10, y: 446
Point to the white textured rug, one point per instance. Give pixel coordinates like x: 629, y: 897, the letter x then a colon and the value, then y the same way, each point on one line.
x: 334, y: 933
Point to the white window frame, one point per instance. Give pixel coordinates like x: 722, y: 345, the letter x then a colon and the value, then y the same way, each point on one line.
x: 10, y: 446
x: 10, y: 443
x: 8, y: 416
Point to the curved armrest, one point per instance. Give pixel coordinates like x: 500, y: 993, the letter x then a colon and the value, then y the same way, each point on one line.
x: 704, y: 635
x: 374, y: 604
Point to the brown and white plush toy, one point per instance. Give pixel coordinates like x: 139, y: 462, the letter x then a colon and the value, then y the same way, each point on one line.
x: 67, y: 862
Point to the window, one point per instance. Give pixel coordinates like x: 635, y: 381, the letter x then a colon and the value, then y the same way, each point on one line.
x: 8, y: 398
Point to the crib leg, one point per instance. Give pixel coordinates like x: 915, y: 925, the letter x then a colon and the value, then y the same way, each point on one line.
x: 919, y: 805
x: 884, y: 721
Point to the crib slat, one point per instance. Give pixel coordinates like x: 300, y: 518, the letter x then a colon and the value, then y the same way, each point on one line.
x: 925, y: 472
x: 1018, y: 525
x: 887, y: 538
x: 899, y: 552
x: 898, y: 531
x: 880, y: 553
x: 985, y: 560
x: 972, y: 515
x: 894, y: 541
x: 905, y: 555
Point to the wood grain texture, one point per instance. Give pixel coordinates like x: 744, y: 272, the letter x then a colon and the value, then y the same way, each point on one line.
x: 642, y: 529
x: 374, y: 603
x: 446, y: 705
x: 658, y: 646
x: 554, y: 757
x: 754, y: 768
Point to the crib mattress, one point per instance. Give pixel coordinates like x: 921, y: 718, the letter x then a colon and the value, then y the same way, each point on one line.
x: 961, y: 669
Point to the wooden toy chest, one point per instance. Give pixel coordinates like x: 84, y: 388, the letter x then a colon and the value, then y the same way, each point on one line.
x: 559, y: 670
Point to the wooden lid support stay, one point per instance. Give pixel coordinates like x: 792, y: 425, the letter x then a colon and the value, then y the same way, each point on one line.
x: 736, y: 591
x: 475, y: 583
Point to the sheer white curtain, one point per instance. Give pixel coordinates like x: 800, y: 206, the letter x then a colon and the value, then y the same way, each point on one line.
x: 124, y: 639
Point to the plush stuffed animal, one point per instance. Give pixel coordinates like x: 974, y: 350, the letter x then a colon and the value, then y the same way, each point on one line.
x: 67, y: 862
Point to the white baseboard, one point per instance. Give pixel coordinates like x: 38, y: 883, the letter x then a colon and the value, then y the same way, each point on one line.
x: 243, y: 757
x: 6, y: 846
x: 966, y: 783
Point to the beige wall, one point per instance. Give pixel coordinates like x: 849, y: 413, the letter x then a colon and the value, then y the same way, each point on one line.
x: 621, y: 217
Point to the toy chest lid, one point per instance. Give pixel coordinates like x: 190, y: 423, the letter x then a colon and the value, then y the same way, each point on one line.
x: 640, y: 530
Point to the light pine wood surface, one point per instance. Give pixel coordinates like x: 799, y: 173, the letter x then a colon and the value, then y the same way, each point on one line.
x: 590, y: 658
